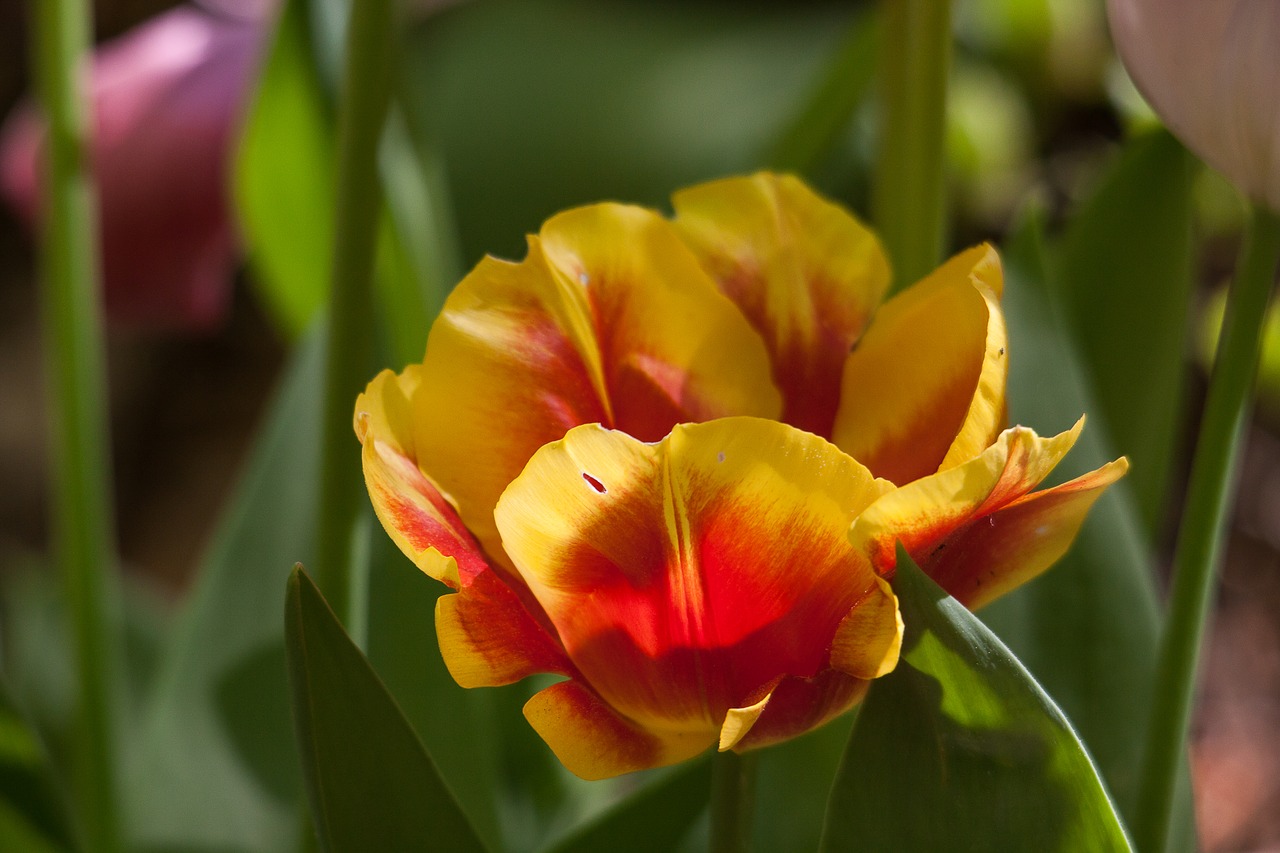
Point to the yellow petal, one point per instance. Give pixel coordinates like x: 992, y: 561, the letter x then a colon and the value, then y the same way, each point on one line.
x: 804, y: 271
x: 738, y: 721
x: 976, y: 528
x: 681, y: 576
x: 608, y: 320
x: 869, y: 639
x: 925, y: 387
x: 595, y: 742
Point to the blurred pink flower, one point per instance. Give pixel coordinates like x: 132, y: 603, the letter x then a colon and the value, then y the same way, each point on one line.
x: 166, y: 100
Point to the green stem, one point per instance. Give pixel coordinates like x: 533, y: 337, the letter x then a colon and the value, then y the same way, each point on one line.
x: 908, y: 194
x: 82, y: 517
x: 364, y: 100
x: 1199, y: 546
x: 733, y: 795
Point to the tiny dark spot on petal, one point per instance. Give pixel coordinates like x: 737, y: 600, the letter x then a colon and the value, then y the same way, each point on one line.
x: 595, y: 484
x: 720, y: 456
x: 1002, y: 350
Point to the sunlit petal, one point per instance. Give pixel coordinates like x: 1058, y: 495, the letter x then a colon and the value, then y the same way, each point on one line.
x: 804, y: 271
x: 924, y: 388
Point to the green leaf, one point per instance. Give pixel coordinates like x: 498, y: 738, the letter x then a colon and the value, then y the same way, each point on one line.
x: 215, y: 768
x: 654, y: 817
x: 371, y: 784
x: 31, y: 815
x: 284, y: 177
x: 960, y: 749
x: 1124, y: 279
x: 458, y: 726
x: 1088, y: 627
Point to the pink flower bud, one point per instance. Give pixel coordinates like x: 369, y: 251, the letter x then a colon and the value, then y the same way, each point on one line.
x: 165, y: 99
x: 1211, y: 70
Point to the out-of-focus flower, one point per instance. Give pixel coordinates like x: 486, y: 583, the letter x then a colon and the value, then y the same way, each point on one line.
x: 725, y: 582
x: 165, y: 100
x: 1211, y: 70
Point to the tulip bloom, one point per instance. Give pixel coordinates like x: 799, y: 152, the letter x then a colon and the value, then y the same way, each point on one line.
x: 1211, y: 70
x: 670, y: 460
x: 165, y: 101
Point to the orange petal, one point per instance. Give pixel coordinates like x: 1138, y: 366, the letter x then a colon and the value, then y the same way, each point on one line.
x: 992, y: 555
x: 608, y: 320
x: 594, y: 742
x: 930, y: 515
x: 684, y: 576
x: 924, y: 389
x: 798, y: 705
x: 487, y: 633
x: 804, y: 271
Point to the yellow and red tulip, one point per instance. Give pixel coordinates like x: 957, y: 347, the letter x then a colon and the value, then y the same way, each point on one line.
x: 670, y: 460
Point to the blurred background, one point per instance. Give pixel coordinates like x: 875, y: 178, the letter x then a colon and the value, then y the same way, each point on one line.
x: 516, y: 110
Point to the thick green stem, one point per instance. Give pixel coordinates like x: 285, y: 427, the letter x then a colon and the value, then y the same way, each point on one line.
x: 362, y: 115
x: 81, y: 515
x: 1204, y: 519
x: 908, y: 193
x: 733, y: 795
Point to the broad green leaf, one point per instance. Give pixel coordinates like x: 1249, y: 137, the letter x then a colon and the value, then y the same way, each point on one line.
x: 458, y: 726
x: 1088, y: 627
x: 371, y: 784
x: 654, y: 817
x: 284, y: 177
x: 960, y: 749
x: 215, y: 768
x: 31, y: 815
x: 1124, y: 278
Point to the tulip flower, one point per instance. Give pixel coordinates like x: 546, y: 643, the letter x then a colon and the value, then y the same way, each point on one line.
x: 671, y: 460
x: 165, y: 101
x: 1211, y: 70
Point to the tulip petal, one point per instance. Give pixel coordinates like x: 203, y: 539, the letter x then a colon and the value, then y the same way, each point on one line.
x: 487, y: 633
x: 608, y: 320
x: 798, y: 705
x: 594, y: 742
x: 995, y: 554
x: 738, y: 722
x: 869, y: 639
x: 804, y: 271
x: 992, y: 491
x: 924, y: 390
x: 685, y: 576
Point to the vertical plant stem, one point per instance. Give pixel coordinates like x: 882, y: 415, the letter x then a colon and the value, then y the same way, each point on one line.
x: 733, y: 795
x: 1199, y: 546
x: 362, y: 113
x: 908, y: 194
x: 81, y: 514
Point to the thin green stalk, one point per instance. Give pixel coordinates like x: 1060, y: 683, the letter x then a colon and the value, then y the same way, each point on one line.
x: 908, y: 194
x: 733, y: 796
x: 362, y: 113
x: 1199, y: 546
x: 83, y: 538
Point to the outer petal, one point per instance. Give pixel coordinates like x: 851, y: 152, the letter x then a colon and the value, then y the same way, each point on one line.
x: 798, y: 705
x: 685, y: 578
x: 487, y: 633
x: 993, y: 555
x: 594, y: 742
x: 804, y: 271
x: 983, y: 510
x: 924, y: 388
x: 608, y: 320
